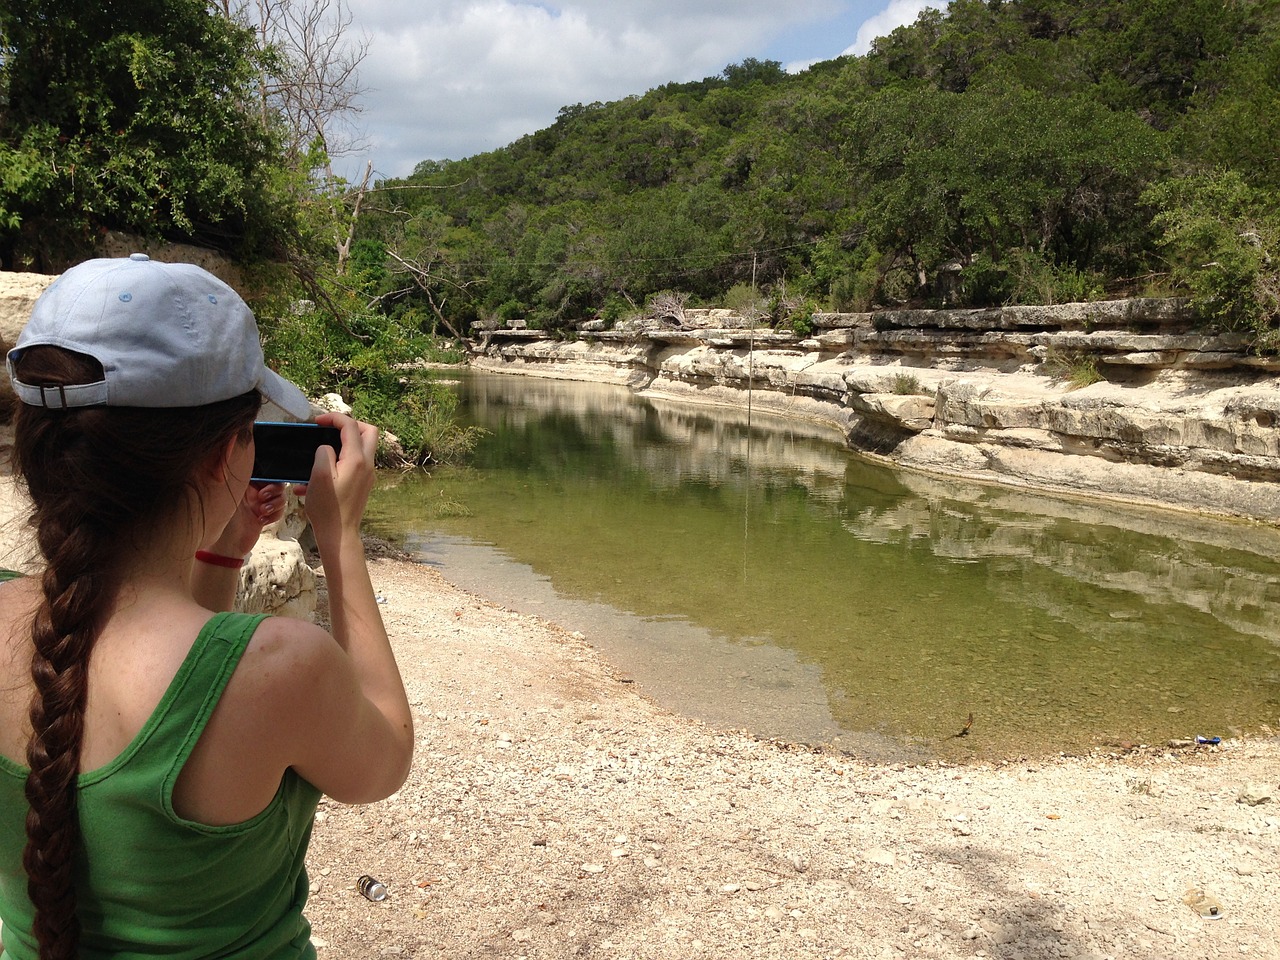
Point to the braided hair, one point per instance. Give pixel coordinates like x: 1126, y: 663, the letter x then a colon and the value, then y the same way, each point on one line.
x: 100, y: 479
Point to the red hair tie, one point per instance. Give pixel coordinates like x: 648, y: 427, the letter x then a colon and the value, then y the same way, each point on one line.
x: 218, y: 560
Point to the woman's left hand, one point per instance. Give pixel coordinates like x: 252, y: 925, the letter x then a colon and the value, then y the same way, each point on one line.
x: 263, y: 504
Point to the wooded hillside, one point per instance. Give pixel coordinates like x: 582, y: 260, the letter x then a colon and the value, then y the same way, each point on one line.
x: 1023, y: 151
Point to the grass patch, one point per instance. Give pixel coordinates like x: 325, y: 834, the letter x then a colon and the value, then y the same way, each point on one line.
x: 1078, y: 370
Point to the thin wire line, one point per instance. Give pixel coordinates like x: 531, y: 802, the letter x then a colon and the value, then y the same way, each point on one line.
x: 476, y: 264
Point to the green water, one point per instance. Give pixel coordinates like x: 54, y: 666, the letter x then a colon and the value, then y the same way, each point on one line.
x: 763, y: 577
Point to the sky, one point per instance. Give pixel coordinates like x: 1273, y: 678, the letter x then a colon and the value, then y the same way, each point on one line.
x: 447, y: 79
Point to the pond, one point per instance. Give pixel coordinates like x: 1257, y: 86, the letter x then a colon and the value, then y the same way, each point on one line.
x: 755, y: 573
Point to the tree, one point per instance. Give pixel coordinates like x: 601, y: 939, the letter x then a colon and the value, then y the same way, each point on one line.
x: 310, y: 82
x: 752, y: 70
x: 1222, y: 238
x: 309, y: 89
x: 134, y: 117
x: 1000, y: 169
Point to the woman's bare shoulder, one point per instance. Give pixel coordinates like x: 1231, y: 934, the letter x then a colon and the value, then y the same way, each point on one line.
x: 296, y: 680
x: 284, y: 650
x: 18, y: 601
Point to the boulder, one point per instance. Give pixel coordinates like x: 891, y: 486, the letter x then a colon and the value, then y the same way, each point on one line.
x: 277, y: 580
x: 913, y: 413
x: 18, y: 293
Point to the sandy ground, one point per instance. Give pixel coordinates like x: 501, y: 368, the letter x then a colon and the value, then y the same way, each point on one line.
x: 553, y: 811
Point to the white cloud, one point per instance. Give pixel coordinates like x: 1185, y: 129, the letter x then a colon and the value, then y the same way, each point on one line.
x: 474, y: 76
x: 899, y: 13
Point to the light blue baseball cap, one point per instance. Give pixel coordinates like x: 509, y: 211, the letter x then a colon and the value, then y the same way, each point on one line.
x: 166, y: 334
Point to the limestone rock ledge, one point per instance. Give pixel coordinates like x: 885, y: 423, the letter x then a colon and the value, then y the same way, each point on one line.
x: 1176, y: 416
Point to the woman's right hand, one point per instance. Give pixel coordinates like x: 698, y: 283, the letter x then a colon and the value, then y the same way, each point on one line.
x: 339, y: 487
x: 354, y: 738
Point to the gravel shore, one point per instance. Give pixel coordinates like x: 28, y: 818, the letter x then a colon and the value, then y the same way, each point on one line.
x: 553, y: 811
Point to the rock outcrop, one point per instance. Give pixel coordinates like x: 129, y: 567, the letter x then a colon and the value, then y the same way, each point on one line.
x: 1130, y: 400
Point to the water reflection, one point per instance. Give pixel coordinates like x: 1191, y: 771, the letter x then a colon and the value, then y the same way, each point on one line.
x: 759, y: 575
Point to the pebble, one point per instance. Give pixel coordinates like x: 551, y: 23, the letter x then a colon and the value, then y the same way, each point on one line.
x: 774, y: 913
x: 1255, y: 794
x: 593, y: 868
x: 885, y: 858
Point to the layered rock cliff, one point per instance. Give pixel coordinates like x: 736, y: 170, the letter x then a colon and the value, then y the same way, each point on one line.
x: 1129, y: 400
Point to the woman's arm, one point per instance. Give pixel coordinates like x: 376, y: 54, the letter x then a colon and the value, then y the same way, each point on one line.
x: 357, y: 742
x: 213, y: 585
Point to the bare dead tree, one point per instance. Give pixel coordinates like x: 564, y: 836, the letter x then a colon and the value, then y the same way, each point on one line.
x: 344, y: 242
x: 668, y: 305
x: 431, y: 281
x: 309, y: 86
x: 311, y: 78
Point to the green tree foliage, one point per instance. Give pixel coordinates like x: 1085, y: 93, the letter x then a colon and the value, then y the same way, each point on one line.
x: 1000, y: 174
x: 1222, y: 237
x: 1002, y: 151
x: 157, y: 118
x: 131, y: 116
x: 369, y: 358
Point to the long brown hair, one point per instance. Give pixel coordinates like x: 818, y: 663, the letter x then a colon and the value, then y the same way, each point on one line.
x: 99, y: 478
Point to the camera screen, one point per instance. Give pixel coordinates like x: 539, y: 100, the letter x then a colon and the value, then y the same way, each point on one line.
x: 285, y: 452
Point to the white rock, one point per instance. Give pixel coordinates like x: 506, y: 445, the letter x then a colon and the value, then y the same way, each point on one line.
x: 1255, y: 794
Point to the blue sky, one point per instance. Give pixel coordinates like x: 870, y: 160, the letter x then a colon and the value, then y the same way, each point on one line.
x: 446, y: 79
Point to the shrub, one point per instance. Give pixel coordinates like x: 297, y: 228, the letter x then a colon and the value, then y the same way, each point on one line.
x: 906, y: 384
x: 1035, y: 279
x: 1222, y: 238
x: 332, y: 345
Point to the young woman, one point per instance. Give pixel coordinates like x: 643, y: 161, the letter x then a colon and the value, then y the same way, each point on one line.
x: 160, y: 758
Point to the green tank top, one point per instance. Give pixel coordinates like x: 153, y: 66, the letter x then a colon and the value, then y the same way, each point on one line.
x: 151, y: 884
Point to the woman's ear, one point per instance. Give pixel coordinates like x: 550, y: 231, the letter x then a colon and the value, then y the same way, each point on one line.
x: 217, y: 465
